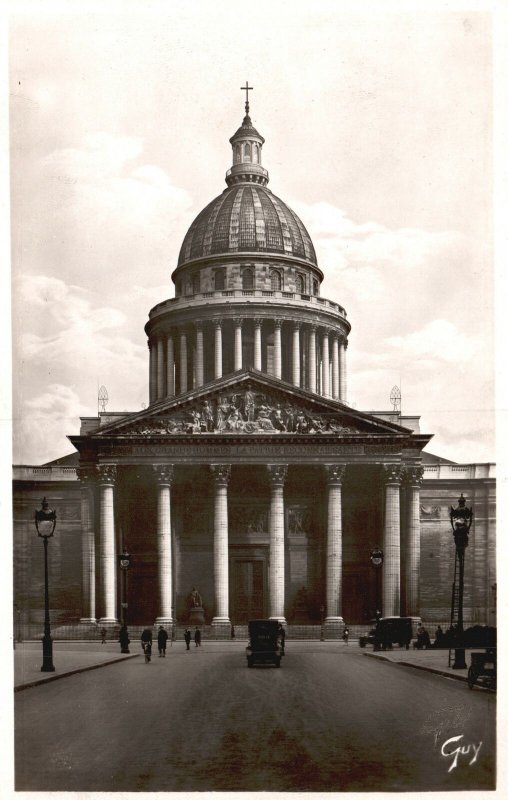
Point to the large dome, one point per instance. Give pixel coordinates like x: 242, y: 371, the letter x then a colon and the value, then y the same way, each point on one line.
x: 247, y: 218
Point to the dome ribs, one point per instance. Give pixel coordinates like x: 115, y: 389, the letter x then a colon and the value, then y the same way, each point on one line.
x: 208, y: 238
x: 293, y: 238
x: 260, y: 220
x: 234, y: 228
x: 247, y: 238
x: 220, y: 236
x: 273, y: 228
x: 309, y: 251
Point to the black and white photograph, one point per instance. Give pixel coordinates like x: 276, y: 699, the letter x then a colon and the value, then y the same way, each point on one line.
x: 253, y: 445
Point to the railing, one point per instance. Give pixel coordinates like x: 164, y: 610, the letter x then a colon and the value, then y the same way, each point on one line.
x: 297, y: 299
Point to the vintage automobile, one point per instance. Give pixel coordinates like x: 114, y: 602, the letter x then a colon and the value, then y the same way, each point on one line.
x: 264, y: 645
x: 388, y: 631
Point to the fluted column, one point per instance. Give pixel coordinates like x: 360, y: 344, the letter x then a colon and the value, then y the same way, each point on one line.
x: 161, y: 372
x: 221, y: 473
x: 335, y: 474
x: 170, y: 366
x: 296, y: 354
x: 152, y: 347
x: 277, y: 360
x: 413, y: 477
x: 277, y: 475
x: 257, y: 344
x: 87, y: 477
x: 342, y: 372
x: 184, y: 368
x: 312, y: 358
x: 335, y: 368
x: 164, y: 476
x: 325, y: 356
x: 218, y: 348
x: 199, y: 355
x: 238, y: 343
x: 391, y: 541
x: 106, y: 480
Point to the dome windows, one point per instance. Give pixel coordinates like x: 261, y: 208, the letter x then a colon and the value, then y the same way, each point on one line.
x: 300, y: 283
x: 196, y: 283
x: 315, y: 286
x: 219, y: 279
x: 248, y: 279
x: 275, y: 280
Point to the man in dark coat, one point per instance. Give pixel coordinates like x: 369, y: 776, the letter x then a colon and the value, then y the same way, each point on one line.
x: 162, y: 638
x: 197, y: 637
x: 187, y: 637
x: 124, y: 640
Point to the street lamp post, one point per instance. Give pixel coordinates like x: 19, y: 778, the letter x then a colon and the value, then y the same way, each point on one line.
x: 45, y: 523
x: 125, y: 562
x: 376, y: 559
x: 461, y: 519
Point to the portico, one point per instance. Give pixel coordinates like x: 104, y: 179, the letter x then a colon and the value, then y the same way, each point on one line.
x: 252, y: 492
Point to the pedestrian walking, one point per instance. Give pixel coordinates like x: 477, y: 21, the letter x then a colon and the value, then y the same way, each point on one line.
x: 345, y: 634
x: 282, y: 637
x: 146, y: 644
x: 162, y: 638
x: 197, y: 637
x: 187, y: 637
x: 103, y: 635
x: 123, y: 638
x: 232, y: 631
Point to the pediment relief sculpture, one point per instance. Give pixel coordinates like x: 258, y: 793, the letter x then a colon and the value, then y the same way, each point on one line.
x: 242, y: 412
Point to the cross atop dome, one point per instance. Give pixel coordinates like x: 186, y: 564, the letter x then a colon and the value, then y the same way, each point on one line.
x: 247, y: 89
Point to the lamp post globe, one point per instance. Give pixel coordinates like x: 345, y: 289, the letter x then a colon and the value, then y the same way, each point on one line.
x: 461, y: 519
x: 45, y: 524
x: 124, y: 561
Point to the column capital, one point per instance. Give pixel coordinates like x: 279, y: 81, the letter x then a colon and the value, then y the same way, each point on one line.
x: 164, y: 474
x: 87, y: 475
x: 277, y: 474
x: 297, y: 324
x: 278, y: 322
x: 198, y: 326
x: 238, y: 321
x: 106, y: 473
x: 324, y: 330
x: 221, y: 473
x: 217, y: 323
x: 312, y: 326
x: 413, y: 475
x: 258, y: 321
x: 335, y: 473
x: 392, y: 473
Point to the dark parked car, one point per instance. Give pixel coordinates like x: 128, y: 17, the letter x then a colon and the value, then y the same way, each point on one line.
x: 264, y: 645
x: 388, y: 631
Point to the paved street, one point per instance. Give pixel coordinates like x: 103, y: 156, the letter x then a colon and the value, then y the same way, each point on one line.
x: 329, y: 719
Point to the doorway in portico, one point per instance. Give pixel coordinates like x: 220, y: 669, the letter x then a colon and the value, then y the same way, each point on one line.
x: 248, y: 588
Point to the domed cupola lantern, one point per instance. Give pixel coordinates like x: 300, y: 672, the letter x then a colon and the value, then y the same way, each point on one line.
x: 247, y: 145
x: 247, y: 293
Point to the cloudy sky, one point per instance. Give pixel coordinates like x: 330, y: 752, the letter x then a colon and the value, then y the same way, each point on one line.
x: 378, y: 134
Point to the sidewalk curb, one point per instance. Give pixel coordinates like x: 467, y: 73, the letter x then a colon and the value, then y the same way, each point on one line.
x: 56, y: 676
x: 434, y: 670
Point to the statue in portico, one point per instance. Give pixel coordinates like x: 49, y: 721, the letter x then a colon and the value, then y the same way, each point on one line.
x: 196, y: 610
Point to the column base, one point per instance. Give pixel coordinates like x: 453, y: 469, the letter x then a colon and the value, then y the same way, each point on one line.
x: 88, y: 621
x: 108, y: 621
x: 221, y: 628
x: 281, y: 619
x: 333, y: 627
x: 163, y: 621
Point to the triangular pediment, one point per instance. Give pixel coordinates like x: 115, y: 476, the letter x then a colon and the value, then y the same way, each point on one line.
x: 249, y: 403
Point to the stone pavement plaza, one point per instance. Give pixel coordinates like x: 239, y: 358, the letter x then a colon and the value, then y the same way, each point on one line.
x: 72, y: 657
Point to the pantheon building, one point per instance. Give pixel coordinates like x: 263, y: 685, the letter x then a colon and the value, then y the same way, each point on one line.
x: 248, y: 475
